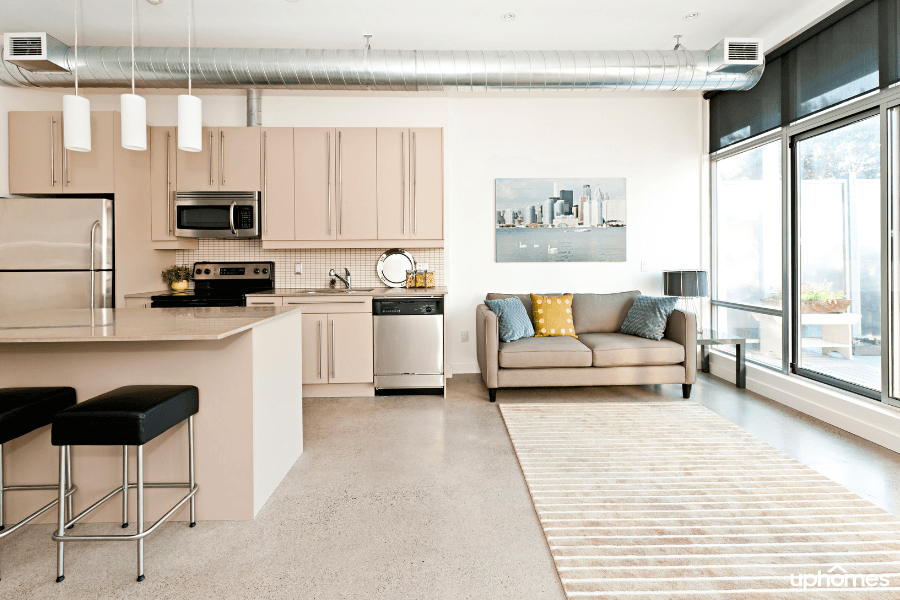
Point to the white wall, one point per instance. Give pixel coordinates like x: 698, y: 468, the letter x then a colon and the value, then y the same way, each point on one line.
x: 655, y: 140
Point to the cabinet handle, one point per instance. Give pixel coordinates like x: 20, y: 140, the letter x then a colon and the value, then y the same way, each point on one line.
x: 168, y: 184
x: 265, y: 186
x: 320, y: 348
x: 331, y: 302
x: 65, y: 165
x: 258, y: 303
x: 328, y: 177
x: 340, y: 197
x: 222, y: 155
x: 413, y: 169
x: 210, y: 161
x: 332, y: 336
x: 402, y: 188
x: 52, y: 151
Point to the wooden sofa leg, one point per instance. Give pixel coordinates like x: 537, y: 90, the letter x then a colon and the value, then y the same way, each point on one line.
x: 493, y: 394
x: 686, y: 390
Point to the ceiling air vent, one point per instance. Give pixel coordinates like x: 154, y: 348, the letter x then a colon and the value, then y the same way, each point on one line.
x: 37, y: 52
x: 736, y: 55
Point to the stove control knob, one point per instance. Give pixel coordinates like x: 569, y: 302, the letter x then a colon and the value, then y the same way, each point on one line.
x: 206, y: 271
x: 428, y: 309
x: 265, y: 271
x: 256, y: 271
x: 199, y: 271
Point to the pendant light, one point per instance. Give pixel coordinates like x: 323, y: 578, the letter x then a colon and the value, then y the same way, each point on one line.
x: 134, y: 109
x: 76, y: 111
x: 190, y: 122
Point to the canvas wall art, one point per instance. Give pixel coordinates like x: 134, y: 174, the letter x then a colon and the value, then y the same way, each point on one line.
x: 561, y: 220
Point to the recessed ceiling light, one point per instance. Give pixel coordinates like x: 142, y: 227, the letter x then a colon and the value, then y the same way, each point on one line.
x: 508, y: 16
x: 691, y: 16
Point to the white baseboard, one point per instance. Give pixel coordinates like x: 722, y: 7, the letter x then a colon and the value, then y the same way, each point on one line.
x: 873, y: 421
x: 466, y: 368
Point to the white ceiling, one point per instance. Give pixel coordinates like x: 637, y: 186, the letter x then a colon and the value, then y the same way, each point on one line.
x: 419, y: 24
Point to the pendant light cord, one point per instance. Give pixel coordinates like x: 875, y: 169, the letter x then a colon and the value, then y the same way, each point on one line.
x: 190, y: 5
x: 76, y: 47
x: 132, y: 47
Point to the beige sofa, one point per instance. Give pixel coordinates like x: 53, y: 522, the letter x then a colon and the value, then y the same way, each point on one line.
x: 599, y: 356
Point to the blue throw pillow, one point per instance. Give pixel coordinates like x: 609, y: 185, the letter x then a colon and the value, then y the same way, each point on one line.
x: 648, y: 316
x: 512, y: 318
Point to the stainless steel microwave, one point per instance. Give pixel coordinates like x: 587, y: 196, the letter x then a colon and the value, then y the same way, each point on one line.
x: 217, y: 214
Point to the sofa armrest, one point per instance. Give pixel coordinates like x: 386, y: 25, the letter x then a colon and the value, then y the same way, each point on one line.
x: 682, y: 328
x: 487, y: 339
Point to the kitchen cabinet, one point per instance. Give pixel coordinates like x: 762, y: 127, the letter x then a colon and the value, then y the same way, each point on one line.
x: 350, y: 348
x: 314, y: 177
x: 357, y: 213
x: 35, y: 152
x: 393, y: 182
x: 277, y: 171
x: 264, y: 301
x: 315, y: 355
x: 426, y: 195
x: 199, y: 171
x: 39, y: 163
x: 163, y: 144
x: 239, y: 165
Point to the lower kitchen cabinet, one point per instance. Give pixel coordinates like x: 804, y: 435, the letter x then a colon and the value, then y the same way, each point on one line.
x: 350, y: 348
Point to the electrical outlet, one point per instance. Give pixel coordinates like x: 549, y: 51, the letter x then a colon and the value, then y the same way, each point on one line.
x: 464, y: 334
x: 644, y: 266
x: 298, y: 268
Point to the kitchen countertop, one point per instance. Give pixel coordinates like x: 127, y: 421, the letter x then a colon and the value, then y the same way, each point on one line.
x: 378, y: 291
x: 135, y: 324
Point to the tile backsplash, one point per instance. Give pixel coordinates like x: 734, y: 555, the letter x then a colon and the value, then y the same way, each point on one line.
x: 316, y: 262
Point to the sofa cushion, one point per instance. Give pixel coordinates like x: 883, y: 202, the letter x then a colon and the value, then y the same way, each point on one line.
x: 513, y: 321
x: 525, y: 298
x: 601, y: 313
x: 648, y: 316
x: 544, y: 352
x: 553, y: 316
x: 620, y: 350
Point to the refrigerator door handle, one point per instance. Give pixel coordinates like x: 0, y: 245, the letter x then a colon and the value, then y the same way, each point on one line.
x: 93, y: 238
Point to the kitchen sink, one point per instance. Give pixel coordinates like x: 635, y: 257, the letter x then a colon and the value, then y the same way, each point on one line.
x: 335, y: 291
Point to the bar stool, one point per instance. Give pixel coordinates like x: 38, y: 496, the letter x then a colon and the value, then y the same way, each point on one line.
x: 128, y: 416
x: 22, y: 410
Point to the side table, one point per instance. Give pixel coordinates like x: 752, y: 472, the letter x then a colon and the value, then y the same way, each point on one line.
x: 711, y: 337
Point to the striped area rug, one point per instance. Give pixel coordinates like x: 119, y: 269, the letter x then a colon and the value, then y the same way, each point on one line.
x: 669, y: 500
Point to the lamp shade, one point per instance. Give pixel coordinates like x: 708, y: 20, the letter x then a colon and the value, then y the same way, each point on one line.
x: 686, y: 284
x: 134, y: 122
x: 77, y: 123
x: 190, y: 124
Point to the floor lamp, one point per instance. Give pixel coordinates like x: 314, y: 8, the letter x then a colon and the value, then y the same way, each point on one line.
x: 688, y: 286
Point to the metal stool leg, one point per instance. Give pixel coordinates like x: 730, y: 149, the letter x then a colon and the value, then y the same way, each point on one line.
x: 69, y: 512
x: 140, y: 511
x: 191, y: 467
x: 124, y: 487
x: 2, y: 484
x: 61, y: 524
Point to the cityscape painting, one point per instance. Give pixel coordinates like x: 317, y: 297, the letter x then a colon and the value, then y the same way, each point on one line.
x: 560, y: 220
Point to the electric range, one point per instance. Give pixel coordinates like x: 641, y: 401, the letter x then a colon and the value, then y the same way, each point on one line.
x: 221, y: 284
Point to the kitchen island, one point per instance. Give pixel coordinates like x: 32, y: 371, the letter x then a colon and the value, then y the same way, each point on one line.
x: 246, y: 362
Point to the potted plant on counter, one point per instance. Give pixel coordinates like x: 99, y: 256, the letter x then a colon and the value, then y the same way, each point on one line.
x: 176, y: 277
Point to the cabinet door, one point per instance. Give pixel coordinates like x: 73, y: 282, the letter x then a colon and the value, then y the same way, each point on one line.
x: 350, y: 348
x: 357, y: 213
x: 199, y: 171
x: 277, y: 183
x: 93, y: 172
x: 314, y: 177
x: 393, y: 183
x: 163, y: 143
x: 35, y: 152
x: 427, y: 187
x: 239, y: 159
x: 315, y: 360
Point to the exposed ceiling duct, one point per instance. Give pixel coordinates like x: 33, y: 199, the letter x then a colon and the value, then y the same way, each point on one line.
x: 393, y: 70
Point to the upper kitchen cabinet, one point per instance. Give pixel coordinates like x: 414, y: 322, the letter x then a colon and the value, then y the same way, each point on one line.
x: 199, y: 171
x: 163, y: 142
x: 39, y: 163
x: 239, y: 166
x: 277, y: 170
x: 393, y: 183
x: 357, y: 212
x: 35, y: 152
x: 314, y: 184
x: 426, y: 195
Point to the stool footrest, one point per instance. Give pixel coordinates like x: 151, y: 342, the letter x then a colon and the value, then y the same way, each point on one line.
x: 132, y: 537
x: 17, y: 488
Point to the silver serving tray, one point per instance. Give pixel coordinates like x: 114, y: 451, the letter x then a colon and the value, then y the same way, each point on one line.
x: 393, y: 265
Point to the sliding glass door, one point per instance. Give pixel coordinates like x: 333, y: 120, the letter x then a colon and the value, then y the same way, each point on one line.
x: 836, y: 233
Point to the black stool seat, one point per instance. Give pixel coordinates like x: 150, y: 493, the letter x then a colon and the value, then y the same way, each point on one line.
x: 127, y: 416
x: 24, y: 409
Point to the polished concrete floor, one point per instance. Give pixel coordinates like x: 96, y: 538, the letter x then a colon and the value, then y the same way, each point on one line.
x: 403, y: 497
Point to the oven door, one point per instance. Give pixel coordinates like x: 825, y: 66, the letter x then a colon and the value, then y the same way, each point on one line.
x: 217, y: 214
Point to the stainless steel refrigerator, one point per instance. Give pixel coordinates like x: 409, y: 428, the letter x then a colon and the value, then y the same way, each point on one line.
x: 56, y: 253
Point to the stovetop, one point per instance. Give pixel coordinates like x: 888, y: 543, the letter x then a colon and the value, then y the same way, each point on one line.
x: 218, y: 282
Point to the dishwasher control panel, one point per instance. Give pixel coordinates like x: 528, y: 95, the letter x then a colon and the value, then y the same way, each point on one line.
x: 407, y: 306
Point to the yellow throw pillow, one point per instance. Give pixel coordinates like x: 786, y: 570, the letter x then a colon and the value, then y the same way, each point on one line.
x: 553, y: 316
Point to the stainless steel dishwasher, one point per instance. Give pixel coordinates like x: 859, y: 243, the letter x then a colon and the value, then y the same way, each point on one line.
x: 409, y: 344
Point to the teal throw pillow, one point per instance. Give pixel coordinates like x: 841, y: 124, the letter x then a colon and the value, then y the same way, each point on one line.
x: 648, y: 316
x: 512, y: 319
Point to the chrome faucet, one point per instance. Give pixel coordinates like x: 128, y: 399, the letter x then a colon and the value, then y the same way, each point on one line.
x: 346, y: 272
